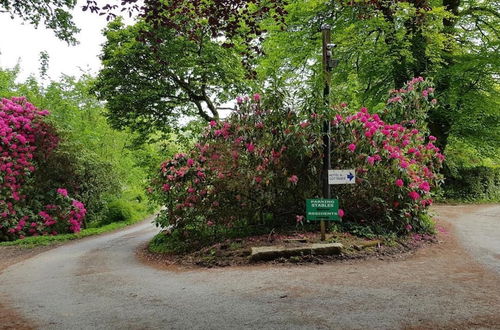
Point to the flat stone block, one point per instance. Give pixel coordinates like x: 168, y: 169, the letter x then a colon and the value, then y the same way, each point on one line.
x: 274, y: 252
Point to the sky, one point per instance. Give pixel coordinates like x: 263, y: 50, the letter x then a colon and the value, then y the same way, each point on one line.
x: 22, y: 42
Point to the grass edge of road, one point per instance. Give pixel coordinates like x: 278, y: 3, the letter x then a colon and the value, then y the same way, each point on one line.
x: 32, y: 242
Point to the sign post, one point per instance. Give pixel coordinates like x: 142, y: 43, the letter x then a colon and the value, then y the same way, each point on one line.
x: 328, y: 64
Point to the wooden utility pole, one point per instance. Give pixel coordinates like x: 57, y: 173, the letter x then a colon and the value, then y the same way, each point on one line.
x: 328, y: 64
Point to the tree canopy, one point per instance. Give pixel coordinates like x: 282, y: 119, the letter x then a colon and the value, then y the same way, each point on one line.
x: 381, y: 44
x: 153, y: 90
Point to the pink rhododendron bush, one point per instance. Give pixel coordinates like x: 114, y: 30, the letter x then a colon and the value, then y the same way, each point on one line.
x: 26, y: 141
x: 259, y: 165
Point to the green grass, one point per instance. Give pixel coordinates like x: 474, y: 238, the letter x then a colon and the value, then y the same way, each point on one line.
x: 31, y: 242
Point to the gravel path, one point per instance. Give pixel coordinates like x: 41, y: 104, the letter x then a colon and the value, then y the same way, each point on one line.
x: 98, y: 283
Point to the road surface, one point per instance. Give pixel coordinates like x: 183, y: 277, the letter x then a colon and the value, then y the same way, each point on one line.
x: 98, y: 283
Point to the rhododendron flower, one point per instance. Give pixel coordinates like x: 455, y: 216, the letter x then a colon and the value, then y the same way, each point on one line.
x: 371, y: 160
x: 239, y: 100
x: 63, y: 192
x: 432, y: 138
x: 250, y: 147
x: 293, y: 179
x: 299, y: 219
x: 341, y: 213
x: 409, y: 227
x: 304, y: 124
x: 414, y: 195
x: 210, y: 223
x: 404, y: 164
x: 399, y: 183
x: 256, y: 97
x: 425, y: 186
x: 352, y: 147
x: 190, y: 162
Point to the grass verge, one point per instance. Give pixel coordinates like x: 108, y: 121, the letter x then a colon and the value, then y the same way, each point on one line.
x: 31, y: 242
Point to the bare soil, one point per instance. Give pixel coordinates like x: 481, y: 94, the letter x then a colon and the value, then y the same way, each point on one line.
x: 236, y: 252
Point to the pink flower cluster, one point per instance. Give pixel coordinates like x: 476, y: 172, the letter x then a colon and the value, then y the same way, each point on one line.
x: 393, y: 153
x: 25, y: 140
x: 253, y: 161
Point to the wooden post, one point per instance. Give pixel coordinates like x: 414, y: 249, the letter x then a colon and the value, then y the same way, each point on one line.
x: 327, y: 60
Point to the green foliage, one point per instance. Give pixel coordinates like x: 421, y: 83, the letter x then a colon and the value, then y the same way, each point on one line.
x: 96, y: 163
x: 259, y: 165
x: 152, y: 88
x: 118, y: 211
x: 380, y: 45
x: 473, y: 183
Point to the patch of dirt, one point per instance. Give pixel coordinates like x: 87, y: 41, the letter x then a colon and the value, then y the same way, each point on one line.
x: 236, y: 252
x: 10, y: 255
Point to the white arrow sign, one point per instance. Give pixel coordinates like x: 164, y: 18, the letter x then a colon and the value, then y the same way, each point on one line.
x: 341, y: 176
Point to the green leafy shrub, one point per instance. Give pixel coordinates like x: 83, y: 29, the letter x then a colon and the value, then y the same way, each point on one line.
x: 260, y: 164
x: 28, y: 142
x: 118, y: 210
x: 86, y: 177
x: 472, y: 183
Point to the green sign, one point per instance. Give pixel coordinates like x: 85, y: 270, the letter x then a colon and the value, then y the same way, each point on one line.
x: 322, y: 209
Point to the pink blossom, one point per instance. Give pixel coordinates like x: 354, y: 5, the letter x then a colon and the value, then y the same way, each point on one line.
x: 250, y: 147
x: 352, y: 147
x: 304, y: 124
x: 399, y: 183
x: 299, y: 219
x: 293, y: 179
x: 414, y: 195
x: 425, y: 186
x: 190, y: 162
x: 256, y: 97
x: 341, y: 213
x: 63, y: 192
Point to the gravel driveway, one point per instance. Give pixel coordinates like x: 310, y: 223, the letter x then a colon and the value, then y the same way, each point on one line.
x: 98, y: 283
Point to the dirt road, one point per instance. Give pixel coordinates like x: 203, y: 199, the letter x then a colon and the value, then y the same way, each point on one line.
x: 98, y: 283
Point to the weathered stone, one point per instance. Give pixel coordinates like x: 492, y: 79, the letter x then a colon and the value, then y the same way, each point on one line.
x: 365, y: 245
x: 274, y: 252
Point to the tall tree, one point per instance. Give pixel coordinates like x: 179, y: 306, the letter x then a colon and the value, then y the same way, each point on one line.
x: 154, y: 90
x: 382, y: 44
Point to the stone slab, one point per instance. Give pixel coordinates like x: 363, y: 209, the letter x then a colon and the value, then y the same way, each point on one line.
x: 274, y: 252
